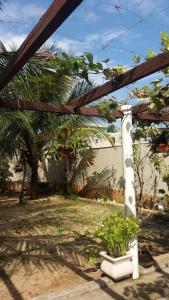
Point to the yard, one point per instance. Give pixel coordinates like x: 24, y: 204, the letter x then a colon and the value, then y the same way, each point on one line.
x: 43, y: 245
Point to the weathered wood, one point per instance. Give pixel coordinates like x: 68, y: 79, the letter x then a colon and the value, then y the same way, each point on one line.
x: 138, y: 108
x: 152, y: 117
x: 54, y: 108
x: 48, y: 107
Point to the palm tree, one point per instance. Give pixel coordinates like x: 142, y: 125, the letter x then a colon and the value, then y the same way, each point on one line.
x: 33, y: 135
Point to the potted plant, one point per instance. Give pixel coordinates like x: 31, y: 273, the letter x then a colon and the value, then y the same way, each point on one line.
x: 116, y: 232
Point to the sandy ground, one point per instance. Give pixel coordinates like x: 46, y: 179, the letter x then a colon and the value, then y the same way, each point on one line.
x: 41, y: 245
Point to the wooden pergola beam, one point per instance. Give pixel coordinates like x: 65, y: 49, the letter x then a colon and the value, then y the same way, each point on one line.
x: 154, y: 117
x: 138, y: 108
x: 48, y: 107
x: 56, y: 14
x: 55, y: 108
x: 145, y: 69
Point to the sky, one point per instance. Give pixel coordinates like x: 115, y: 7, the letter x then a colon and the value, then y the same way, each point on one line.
x: 109, y: 29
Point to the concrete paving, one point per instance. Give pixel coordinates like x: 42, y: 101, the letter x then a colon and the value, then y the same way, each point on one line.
x: 153, y: 286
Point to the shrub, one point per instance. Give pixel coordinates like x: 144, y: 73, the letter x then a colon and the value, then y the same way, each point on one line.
x: 116, y: 232
x: 4, y: 174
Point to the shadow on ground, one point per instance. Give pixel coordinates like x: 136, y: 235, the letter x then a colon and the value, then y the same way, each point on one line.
x: 57, y: 252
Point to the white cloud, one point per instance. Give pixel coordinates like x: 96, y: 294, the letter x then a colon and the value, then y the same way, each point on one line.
x: 94, y: 40
x: 89, y: 41
x: 10, y: 39
x: 144, y: 8
x: 17, y: 12
x: 16, y: 40
x: 92, y: 17
x: 112, y: 34
x: 70, y: 45
x: 92, y: 37
x: 32, y: 10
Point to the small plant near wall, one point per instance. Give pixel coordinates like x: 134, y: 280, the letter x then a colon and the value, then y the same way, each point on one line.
x: 116, y: 233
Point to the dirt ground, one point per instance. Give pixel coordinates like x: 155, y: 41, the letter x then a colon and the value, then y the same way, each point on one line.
x: 43, y: 244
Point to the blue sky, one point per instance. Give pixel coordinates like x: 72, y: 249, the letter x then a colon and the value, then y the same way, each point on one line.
x: 96, y: 26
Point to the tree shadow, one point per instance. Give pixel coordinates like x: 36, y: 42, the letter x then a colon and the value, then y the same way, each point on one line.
x: 56, y: 253
x: 10, y: 286
x: 149, y: 290
x: 44, y: 252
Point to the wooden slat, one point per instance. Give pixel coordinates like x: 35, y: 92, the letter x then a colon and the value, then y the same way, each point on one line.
x: 147, y: 68
x: 54, y: 108
x: 138, y: 108
x: 154, y: 117
x: 56, y: 14
x: 48, y: 107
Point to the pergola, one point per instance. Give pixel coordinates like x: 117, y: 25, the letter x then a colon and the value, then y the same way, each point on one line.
x: 56, y: 14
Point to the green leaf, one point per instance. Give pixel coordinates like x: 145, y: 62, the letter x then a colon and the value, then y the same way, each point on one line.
x: 150, y: 54
x: 106, y: 60
x: 84, y: 74
x: 89, y: 56
x: 136, y: 59
x: 100, y: 66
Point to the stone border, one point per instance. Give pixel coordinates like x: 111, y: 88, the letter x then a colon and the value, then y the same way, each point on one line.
x: 161, y: 263
x: 77, y: 290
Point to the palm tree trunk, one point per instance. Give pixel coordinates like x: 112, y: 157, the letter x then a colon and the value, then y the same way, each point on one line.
x: 34, y: 180
x: 21, y: 198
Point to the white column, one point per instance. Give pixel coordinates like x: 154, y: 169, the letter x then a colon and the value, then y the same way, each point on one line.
x: 128, y: 171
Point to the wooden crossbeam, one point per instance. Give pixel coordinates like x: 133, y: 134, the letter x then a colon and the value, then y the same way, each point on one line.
x: 54, y: 108
x: 147, y: 68
x: 56, y: 14
x: 154, y: 117
x: 138, y: 108
x: 48, y: 107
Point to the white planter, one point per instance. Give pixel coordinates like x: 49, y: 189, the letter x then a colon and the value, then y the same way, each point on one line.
x: 118, y: 267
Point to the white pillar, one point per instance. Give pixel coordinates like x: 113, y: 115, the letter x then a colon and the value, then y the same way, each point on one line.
x: 128, y: 171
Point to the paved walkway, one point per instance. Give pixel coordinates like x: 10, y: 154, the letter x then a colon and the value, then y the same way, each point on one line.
x: 153, y: 286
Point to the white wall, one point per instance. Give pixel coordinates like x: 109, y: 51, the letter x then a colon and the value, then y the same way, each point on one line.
x: 108, y: 157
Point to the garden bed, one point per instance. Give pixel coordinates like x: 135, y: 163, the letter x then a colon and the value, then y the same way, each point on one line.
x: 43, y: 244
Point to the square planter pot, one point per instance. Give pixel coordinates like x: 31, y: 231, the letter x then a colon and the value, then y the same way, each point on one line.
x: 117, y: 268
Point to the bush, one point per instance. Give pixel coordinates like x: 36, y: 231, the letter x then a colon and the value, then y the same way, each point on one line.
x: 4, y: 174
x: 116, y: 232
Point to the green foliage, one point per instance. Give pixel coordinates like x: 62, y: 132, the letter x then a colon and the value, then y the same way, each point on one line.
x: 116, y: 232
x: 165, y: 174
x: 136, y: 59
x: 157, y: 93
x: 105, y: 108
x: 70, y: 193
x: 150, y: 131
x: 4, y: 173
x: 48, y: 77
x: 141, y: 93
x: 111, y: 128
x: 136, y: 153
x: 164, y: 41
x: 158, y: 162
x: 150, y: 54
x: 79, y: 65
x: 114, y: 72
